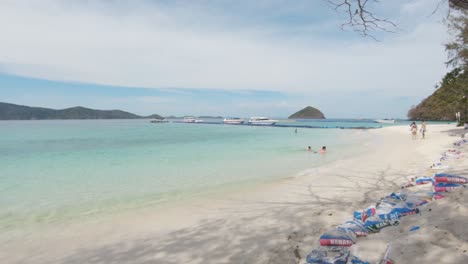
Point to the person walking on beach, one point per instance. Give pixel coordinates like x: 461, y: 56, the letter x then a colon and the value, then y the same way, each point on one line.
x: 414, y: 130
x: 423, y: 129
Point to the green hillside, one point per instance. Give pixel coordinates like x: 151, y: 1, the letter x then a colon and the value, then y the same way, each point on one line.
x: 445, y: 101
x: 21, y: 112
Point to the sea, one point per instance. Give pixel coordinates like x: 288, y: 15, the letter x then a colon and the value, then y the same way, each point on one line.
x: 59, y: 171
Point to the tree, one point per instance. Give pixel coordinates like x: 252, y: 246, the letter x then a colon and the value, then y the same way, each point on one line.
x: 451, y: 95
x: 365, y: 21
x: 360, y: 18
x: 457, y: 49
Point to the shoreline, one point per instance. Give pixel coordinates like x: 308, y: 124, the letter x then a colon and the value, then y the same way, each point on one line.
x: 265, y: 224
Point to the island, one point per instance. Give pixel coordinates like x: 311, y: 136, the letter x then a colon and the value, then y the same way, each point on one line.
x: 22, y: 112
x: 308, y: 112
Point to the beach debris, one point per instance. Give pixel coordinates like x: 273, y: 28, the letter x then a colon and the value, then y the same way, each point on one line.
x: 375, y: 223
x: 343, y: 237
x: 460, y: 142
x: 363, y: 215
x: 392, y: 210
x: 388, y: 211
x: 414, y: 201
x: 328, y: 255
x: 406, y: 185
x: 451, y: 154
x: 450, y: 178
x: 439, y: 166
x: 447, y: 187
x: 424, y: 180
x: 357, y: 227
x: 386, y: 258
x: 356, y: 260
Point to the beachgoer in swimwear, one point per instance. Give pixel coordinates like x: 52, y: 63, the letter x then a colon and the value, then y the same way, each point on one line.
x: 423, y: 129
x: 414, y: 130
x: 309, y: 148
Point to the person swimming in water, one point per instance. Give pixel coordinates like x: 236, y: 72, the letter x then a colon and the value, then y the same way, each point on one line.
x: 323, y: 150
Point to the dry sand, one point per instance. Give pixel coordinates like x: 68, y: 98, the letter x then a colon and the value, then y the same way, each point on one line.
x: 278, y: 223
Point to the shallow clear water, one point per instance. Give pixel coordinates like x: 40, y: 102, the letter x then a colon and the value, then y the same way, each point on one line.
x: 54, y: 171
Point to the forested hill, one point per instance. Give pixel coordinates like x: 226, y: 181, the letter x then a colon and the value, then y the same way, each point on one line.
x: 21, y: 112
x: 307, y: 113
x: 445, y: 101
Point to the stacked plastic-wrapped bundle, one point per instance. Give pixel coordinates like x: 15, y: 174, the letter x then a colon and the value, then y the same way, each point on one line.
x: 334, y: 244
x: 460, y: 142
x: 451, y: 154
x: 445, y: 182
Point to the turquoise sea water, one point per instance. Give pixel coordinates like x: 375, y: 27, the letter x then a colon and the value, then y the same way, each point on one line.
x: 56, y: 171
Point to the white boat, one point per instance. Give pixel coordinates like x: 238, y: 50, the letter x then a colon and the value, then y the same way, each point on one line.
x: 385, y: 121
x: 262, y: 121
x: 233, y: 121
x: 159, y: 121
x: 191, y: 119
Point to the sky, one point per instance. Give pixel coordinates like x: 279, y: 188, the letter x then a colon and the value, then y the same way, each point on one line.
x: 225, y: 57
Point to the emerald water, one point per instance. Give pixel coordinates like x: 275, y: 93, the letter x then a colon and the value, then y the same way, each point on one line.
x: 55, y: 171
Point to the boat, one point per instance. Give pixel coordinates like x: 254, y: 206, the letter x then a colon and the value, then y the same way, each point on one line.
x: 191, y: 119
x: 158, y: 121
x: 385, y: 121
x: 262, y: 121
x: 233, y: 121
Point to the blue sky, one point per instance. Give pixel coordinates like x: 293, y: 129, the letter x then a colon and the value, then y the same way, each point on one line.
x: 240, y: 58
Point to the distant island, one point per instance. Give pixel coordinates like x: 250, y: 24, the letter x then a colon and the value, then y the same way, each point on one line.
x: 308, y: 113
x: 21, y: 112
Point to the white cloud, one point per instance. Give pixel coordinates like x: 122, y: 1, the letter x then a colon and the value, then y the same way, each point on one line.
x: 143, y: 44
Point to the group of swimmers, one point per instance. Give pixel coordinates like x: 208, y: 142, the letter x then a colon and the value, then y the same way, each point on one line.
x: 323, y: 150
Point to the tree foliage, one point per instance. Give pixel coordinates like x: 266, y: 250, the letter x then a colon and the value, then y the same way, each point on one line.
x: 445, y: 101
x: 450, y: 96
x: 457, y: 49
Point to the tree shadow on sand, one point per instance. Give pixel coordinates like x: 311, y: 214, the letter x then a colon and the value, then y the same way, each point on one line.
x: 261, y: 232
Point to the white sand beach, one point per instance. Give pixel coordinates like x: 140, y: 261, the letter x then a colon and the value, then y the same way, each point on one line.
x: 278, y: 223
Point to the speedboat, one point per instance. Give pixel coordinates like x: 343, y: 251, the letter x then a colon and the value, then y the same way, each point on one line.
x: 191, y: 119
x: 385, y: 121
x: 159, y: 121
x: 262, y: 121
x: 233, y: 121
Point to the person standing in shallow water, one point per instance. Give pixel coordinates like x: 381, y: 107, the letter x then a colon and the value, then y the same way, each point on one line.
x: 423, y: 129
x: 414, y: 130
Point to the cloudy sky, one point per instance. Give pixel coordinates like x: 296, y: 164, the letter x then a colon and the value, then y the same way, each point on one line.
x: 225, y: 57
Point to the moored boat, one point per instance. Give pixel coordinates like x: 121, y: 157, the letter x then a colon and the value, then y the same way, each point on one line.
x: 385, y: 121
x: 158, y: 121
x: 233, y: 121
x: 262, y: 121
x: 191, y: 119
